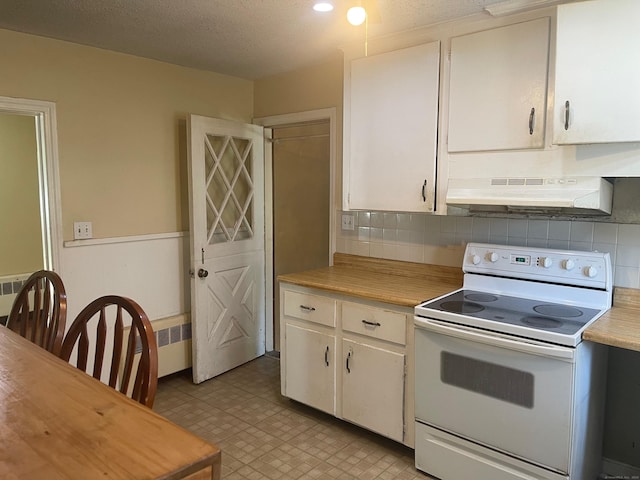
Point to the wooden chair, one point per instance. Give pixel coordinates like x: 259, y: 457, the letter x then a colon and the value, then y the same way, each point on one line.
x: 106, y: 314
x: 39, y: 312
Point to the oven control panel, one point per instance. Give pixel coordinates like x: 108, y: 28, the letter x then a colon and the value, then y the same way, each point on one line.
x: 569, y: 267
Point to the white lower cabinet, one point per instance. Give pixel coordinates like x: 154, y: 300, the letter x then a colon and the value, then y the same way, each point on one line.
x: 310, y: 367
x: 373, y: 388
x: 351, y: 358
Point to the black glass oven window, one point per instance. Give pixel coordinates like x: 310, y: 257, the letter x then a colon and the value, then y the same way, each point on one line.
x: 497, y: 381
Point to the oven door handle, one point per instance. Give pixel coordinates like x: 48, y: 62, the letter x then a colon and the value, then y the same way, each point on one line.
x: 496, y: 339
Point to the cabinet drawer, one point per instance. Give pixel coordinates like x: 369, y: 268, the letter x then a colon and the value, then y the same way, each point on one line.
x: 374, y: 322
x: 310, y: 307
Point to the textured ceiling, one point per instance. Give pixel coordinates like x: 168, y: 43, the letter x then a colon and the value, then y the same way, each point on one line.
x: 244, y: 38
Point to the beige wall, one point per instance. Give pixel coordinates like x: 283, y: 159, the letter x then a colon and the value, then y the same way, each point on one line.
x: 310, y: 88
x: 121, y: 122
x: 21, y: 238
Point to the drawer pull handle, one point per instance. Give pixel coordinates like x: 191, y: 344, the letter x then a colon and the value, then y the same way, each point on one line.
x: 326, y: 356
x: 348, y: 367
x: 567, y: 108
x: 373, y: 324
x: 308, y: 309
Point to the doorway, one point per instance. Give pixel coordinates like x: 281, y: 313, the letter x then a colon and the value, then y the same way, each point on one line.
x: 300, y: 166
x: 38, y: 120
x: 21, y: 249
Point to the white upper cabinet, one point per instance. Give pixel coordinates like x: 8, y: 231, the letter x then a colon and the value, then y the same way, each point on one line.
x: 597, y: 75
x: 391, y: 118
x: 498, y: 88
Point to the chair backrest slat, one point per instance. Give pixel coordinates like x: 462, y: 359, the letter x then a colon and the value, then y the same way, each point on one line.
x: 117, y: 349
x: 128, y: 361
x: 41, y: 337
x: 83, y: 349
x: 101, y: 341
x: 110, y: 324
x: 39, y: 311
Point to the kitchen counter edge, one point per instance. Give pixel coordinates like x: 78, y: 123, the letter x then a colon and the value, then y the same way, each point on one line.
x: 620, y: 326
x: 395, y: 282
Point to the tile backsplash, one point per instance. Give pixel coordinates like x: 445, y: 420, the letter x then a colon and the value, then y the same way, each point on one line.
x: 441, y: 240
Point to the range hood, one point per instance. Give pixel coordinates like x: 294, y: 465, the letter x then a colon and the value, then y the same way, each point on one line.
x: 543, y: 195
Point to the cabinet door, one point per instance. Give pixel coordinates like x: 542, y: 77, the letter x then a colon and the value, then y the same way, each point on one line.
x: 597, y: 75
x: 498, y: 88
x: 390, y: 137
x: 373, y: 388
x: 310, y: 367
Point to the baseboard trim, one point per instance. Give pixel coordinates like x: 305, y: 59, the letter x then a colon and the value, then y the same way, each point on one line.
x: 614, y: 470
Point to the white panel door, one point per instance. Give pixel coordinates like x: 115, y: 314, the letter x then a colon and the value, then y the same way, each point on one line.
x: 373, y: 388
x: 498, y: 88
x: 390, y: 141
x: 226, y: 182
x: 597, y: 99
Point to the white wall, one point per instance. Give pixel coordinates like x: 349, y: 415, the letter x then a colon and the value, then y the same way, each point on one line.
x: 152, y: 269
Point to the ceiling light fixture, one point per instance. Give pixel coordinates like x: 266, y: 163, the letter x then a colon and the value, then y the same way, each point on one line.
x: 356, y: 15
x: 323, y: 6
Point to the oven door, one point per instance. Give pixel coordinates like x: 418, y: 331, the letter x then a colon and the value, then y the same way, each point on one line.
x: 509, y: 394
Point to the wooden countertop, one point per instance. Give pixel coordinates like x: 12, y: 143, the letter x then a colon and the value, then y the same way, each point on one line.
x: 399, y: 283
x: 620, y: 326
x: 58, y: 423
x: 407, y: 284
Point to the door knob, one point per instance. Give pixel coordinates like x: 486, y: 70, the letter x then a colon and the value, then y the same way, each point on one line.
x: 202, y: 273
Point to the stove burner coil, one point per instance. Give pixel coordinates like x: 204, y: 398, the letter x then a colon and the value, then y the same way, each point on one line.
x: 461, y: 307
x: 480, y: 297
x: 542, y: 322
x: 562, y: 311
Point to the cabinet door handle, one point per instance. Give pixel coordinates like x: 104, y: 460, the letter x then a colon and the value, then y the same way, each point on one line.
x: 424, y: 191
x: 326, y: 356
x: 566, y: 115
x: 308, y: 309
x: 531, y: 118
x: 373, y: 324
x: 348, y: 367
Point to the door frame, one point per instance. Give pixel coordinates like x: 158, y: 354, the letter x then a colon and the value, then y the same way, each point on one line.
x: 48, y: 172
x: 278, y: 121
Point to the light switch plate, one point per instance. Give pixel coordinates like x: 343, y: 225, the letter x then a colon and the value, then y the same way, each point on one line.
x: 82, y: 230
x: 348, y: 222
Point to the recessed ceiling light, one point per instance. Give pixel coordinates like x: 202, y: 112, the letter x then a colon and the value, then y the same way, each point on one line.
x: 356, y: 15
x: 323, y: 7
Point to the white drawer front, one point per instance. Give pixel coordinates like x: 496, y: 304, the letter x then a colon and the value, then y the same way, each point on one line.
x: 310, y: 307
x: 374, y: 322
x: 446, y: 456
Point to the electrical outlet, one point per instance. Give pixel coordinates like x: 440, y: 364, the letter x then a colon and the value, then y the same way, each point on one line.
x: 347, y: 222
x: 82, y: 230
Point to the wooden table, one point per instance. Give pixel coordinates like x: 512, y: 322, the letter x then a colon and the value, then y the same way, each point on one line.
x: 56, y: 422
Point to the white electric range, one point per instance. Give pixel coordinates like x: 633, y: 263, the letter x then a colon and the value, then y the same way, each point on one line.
x: 505, y: 387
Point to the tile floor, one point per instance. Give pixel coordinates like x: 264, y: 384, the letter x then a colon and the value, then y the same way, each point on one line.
x: 266, y: 436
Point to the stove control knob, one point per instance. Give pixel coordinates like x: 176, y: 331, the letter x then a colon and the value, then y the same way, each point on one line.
x: 546, y: 262
x: 591, y: 271
x: 569, y: 264
x: 493, y: 257
x: 475, y: 259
